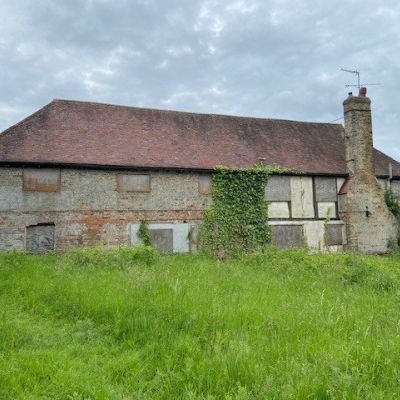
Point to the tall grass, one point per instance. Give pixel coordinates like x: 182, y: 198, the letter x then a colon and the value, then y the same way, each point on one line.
x: 131, y: 324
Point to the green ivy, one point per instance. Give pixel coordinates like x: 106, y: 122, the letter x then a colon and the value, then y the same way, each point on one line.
x: 393, y: 204
x: 236, y: 222
x: 144, y: 233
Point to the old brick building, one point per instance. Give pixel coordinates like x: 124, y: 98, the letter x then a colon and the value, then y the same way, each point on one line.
x: 80, y: 173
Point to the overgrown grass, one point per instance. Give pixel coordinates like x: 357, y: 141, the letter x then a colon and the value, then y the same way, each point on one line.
x: 129, y: 324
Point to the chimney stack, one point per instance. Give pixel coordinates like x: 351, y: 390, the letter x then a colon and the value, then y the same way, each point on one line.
x: 369, y: 223
x: 359, y: 143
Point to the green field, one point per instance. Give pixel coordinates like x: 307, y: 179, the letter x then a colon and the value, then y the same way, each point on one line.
x: 129, y: 324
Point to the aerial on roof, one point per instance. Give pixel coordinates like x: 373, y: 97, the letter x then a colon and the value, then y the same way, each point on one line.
x: 84, y: 133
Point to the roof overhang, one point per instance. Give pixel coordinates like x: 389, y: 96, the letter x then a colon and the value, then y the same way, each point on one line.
x: 26, y: 164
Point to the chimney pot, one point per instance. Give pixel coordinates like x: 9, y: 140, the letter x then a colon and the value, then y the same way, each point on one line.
x: 363, y: 92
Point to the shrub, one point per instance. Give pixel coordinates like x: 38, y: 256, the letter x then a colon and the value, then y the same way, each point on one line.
x: 144, y: 233
x: 359, y: 270
x: 393, y: 204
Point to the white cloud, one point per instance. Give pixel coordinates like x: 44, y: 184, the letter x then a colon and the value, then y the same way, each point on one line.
x: 209, y: 20
x: 179, y: 51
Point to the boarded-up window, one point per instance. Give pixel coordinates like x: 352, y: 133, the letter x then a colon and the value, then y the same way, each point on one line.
x: 325, y: 189
x: 42, y: 180
x: 205, y: 184
x: 40, y: 238
x: 166, y: 237
x: 162, y: 240
x: 287, y: 235
x: 334, y: 235
x: 278, y: 188
x: 133, y: 183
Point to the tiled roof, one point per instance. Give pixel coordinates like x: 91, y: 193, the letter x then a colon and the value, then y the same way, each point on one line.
x: 74, y: 132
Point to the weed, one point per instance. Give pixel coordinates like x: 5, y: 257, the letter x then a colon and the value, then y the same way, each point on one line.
x: 115, y: 323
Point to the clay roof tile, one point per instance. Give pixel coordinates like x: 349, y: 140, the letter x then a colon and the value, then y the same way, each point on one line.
x: 75, y: 132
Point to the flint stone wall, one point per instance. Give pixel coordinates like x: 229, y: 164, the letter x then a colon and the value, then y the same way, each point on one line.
x: 90, y: 209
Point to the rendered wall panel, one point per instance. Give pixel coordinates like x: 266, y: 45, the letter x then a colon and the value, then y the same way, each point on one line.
x: 327, y: 210
x: 302, y: 197
x: 339, y: 183
x: 278, y: 210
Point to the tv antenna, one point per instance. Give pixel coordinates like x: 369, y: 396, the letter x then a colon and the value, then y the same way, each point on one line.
x: 358, y: 79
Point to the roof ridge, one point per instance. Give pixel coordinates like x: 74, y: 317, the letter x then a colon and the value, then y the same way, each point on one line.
x: 191, y: 112
x: 19, y: 123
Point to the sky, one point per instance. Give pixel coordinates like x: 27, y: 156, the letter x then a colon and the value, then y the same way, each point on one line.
x: 268, y: 58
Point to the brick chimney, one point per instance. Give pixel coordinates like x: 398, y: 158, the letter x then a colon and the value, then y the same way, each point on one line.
x: 369, y: 223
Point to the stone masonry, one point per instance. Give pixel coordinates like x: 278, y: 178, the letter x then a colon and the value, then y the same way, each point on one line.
x: 90, y: 210
x: 81, y: 207
x: 369, y: 223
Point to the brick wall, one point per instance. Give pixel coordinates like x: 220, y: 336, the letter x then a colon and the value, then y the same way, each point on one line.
x: 89, y: 209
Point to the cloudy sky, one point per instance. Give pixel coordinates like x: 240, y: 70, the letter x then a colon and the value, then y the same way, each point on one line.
x: 268, y: 58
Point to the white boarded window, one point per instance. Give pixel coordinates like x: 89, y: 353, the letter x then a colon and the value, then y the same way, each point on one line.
x: 133, y: 182
x: 42, y: 179
x: 205, y: 184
